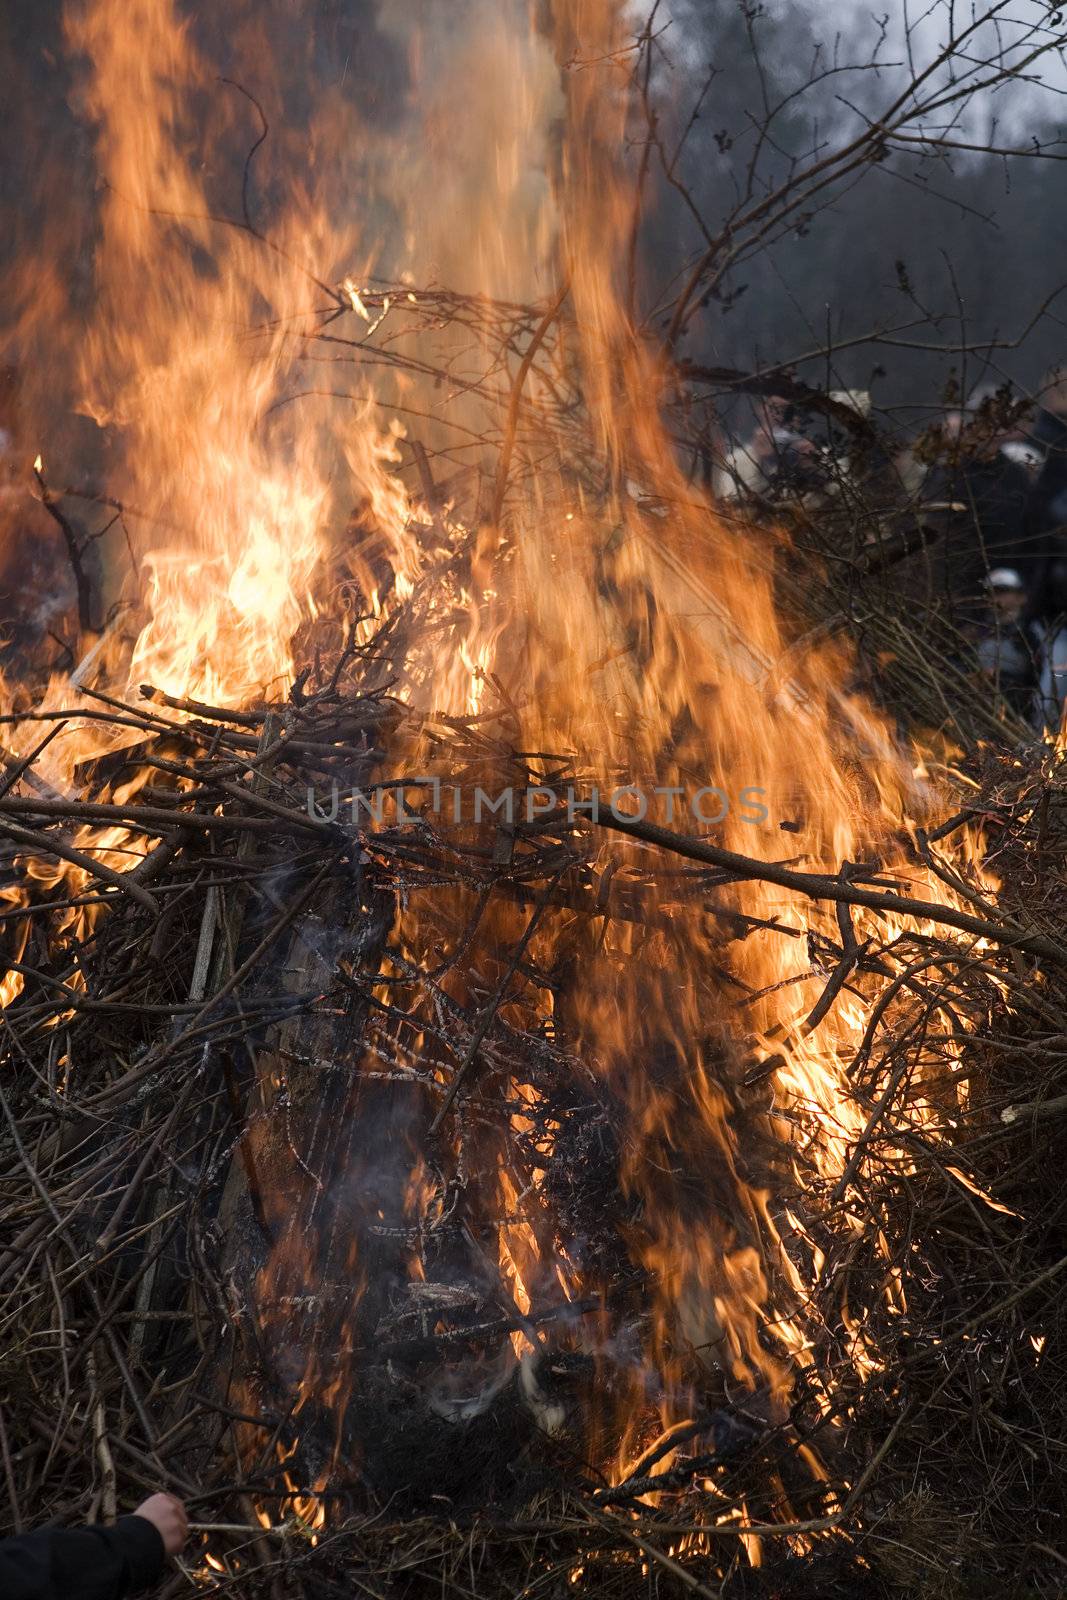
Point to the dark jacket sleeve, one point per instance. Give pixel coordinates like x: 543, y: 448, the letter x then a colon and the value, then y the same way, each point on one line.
x: 81, y: 1563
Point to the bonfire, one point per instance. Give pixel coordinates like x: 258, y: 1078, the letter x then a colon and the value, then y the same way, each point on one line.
x: 518, y: 1079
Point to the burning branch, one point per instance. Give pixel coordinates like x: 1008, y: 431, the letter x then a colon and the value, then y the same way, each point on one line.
x: 371, y: 1151
x: 842, y: 890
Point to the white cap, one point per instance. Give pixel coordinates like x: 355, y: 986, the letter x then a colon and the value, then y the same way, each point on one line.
x: 857, y: 400
x: 1004, y: 578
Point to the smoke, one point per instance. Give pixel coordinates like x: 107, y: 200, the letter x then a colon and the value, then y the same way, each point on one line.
x: 471, y: 163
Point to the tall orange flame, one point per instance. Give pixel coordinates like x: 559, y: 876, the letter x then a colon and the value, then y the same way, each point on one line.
x: 632, y: 629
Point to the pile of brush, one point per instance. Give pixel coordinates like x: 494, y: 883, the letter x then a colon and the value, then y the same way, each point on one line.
x: 245, y: 1088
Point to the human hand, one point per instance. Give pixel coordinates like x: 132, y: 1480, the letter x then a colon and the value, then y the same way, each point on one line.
x: 167, y: 1516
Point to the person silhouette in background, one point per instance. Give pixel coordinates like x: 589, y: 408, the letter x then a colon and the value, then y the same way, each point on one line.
x: 983, y: 498
x: 1048, y: 435
x: 94, y: 1563
x: 1009, y: 646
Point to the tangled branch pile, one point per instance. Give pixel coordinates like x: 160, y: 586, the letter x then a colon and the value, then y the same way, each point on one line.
x: 475, y: 1203
x: 183, y: 1082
